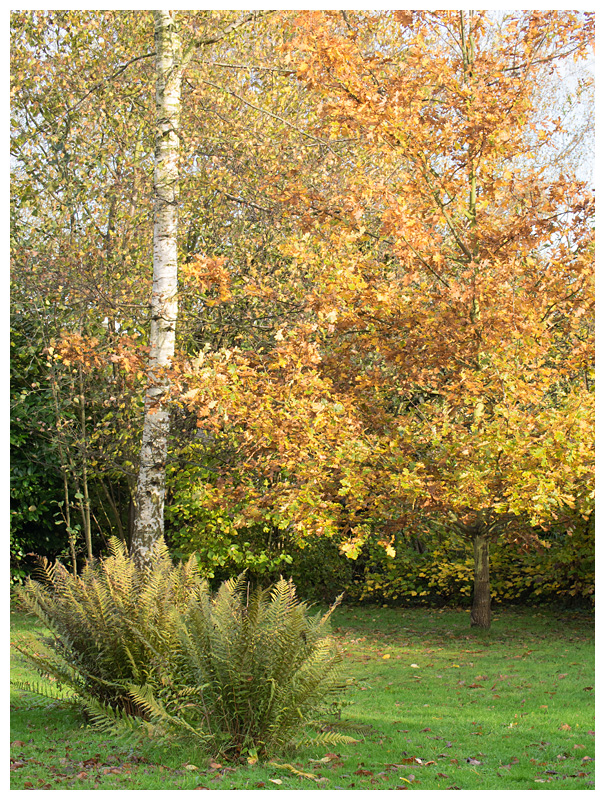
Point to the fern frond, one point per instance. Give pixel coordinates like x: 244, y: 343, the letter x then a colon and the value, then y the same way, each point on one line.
x: 157, y: 713
x: 44, y: 690
x: 330, y: 738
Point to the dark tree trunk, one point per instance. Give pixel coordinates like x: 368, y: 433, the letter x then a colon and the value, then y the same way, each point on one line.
x: 481, y: 613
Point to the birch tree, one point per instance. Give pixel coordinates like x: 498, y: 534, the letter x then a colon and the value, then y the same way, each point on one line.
x: 171, y: 61
x: 164, y: 303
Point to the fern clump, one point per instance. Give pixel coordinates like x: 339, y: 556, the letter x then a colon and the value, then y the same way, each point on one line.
x: 95, y: 620
x: 242, y: 672
x: 256, y: 669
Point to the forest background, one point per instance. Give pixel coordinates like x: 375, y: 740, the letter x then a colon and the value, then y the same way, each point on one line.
x: 383, y: 370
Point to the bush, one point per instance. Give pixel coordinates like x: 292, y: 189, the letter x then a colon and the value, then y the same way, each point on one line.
x: 560, y: 571
x: 197, y: 524
x: 319, y: 568
x: 242, y: 672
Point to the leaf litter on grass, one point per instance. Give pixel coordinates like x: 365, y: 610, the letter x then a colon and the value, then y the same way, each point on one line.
x: 534, y: 728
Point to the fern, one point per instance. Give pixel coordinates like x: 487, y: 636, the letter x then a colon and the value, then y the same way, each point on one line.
x: 262, y: 666
x: 153, y: 651
x: 93, y: 620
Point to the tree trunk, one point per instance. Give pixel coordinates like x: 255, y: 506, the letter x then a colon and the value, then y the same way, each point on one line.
x: 481, y: 614
x: 85, y: 500
x: 151, y: 486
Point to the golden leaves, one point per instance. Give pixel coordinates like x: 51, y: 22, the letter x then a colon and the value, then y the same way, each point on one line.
x: 208, y: 273
x: 404, y: 17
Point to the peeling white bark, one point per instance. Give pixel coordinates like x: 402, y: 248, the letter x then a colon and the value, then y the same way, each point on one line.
x: 149, y: 519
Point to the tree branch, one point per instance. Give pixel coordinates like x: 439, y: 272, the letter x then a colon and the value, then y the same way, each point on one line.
x: 98, y: 85
x: 197, y: 43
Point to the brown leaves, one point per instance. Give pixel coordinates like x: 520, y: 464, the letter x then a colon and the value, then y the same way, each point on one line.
x: 404, y: 17
x: 208, y: 273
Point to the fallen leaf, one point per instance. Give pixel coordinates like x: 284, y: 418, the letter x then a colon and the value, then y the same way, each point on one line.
x: 191, y: 766
x: 17, y: 743
x: 215, y: 765
x: 442, y: 775
x: 473, y: 761
x: 275, y: 780
x: 293, y: 769
x: 565, y: 727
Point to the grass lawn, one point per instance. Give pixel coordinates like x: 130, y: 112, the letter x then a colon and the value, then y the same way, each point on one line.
x: 450, y: 708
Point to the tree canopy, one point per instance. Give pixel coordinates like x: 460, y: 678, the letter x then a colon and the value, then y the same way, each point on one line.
x: 385, y: 261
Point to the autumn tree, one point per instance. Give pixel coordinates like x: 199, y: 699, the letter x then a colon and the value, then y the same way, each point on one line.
x: 171, y: 62
x: 451, y: 314
x: 82, y: 227
x: 474, y: 318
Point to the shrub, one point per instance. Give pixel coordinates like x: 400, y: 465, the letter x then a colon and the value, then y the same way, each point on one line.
x: 198, y: 522
x: 561, y: 570
x: 319, y: 568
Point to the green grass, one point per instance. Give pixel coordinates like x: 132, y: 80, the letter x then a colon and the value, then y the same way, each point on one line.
x: 450, y: 708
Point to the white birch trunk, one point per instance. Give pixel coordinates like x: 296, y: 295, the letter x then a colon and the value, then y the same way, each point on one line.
x: 151, y: 486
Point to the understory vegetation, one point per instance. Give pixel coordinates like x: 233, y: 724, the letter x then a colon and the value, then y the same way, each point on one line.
x: 435, y: 571
x: 243, y: 673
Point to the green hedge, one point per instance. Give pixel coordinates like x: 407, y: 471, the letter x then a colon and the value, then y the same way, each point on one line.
x: 561, y: 571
